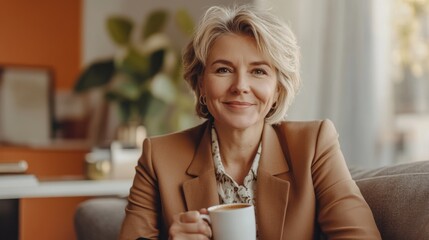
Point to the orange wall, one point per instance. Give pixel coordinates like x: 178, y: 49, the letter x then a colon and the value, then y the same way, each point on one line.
x: 42, y: 33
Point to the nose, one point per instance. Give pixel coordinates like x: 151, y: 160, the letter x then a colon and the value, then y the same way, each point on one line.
x: 240, y: 84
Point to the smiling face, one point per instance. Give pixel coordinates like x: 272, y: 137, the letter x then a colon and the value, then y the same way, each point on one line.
x: 239, y: 82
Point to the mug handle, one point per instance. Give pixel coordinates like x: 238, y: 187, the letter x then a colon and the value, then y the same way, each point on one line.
x: 206, y: 218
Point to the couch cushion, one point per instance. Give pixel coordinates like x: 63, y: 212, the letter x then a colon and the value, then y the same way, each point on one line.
x: 400, y: 204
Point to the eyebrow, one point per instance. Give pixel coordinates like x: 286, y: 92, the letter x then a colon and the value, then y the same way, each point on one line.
x: 257, y: 63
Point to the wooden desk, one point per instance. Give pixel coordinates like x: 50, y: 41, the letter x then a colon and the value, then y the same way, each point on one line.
x: 68, y: 188
x: 46, y: 211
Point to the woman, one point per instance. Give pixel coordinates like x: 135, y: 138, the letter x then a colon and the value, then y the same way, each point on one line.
x: 243, y: 66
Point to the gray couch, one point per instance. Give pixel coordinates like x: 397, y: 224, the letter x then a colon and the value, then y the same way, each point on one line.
x: 398, y: 196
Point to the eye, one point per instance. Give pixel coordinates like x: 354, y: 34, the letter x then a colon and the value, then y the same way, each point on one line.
x: 259, y: 71
x: 223, y: 70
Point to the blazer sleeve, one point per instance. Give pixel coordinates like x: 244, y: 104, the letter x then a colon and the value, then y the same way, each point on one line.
x: 342, y: 211
x: 141, y: 214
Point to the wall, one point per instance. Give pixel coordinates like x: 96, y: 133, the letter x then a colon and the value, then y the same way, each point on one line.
x: 42, y: 33
x: 96, y: 43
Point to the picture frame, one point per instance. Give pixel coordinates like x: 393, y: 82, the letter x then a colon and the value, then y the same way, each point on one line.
x: 26, y: 105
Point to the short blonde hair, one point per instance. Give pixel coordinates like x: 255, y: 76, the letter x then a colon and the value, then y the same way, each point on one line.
x: 273, y: 38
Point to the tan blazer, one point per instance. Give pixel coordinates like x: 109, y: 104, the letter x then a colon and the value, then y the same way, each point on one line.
x: 303, y: 185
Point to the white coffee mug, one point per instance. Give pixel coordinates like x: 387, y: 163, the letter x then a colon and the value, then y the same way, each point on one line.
x: 235, y: 221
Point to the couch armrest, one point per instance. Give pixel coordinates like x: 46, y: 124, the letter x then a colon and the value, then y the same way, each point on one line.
x: 400, y: 204
x: 100, y: 218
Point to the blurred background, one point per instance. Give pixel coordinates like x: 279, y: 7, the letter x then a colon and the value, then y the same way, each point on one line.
x: 83, y: 82
x: 364, y: 66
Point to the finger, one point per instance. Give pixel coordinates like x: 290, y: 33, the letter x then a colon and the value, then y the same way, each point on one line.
x: 200, y: 228
x: 190, y: 237
x: 204, y: 228
x: 189, y: 217
x: 204, y: 211
x: 208, y: 230
x: 190, y: 223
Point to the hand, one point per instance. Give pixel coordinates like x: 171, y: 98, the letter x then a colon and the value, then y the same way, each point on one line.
x: 189, y: 225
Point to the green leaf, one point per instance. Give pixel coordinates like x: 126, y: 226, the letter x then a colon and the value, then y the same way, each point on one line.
x: 185, y: 22
x: 128, y: 90
x: 113, y: 96
x: 144, y: 102
x: 156, y: 62
x: 155, y: 22
x: 125, y: 110
x: 135, y: 63
x: 177, y: 72
x: 154, y: 115
x: 163, y: 88
x: 120, y: 29
x: 96, y: 75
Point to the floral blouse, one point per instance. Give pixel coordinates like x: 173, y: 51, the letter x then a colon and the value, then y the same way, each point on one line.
x: 229, y: 191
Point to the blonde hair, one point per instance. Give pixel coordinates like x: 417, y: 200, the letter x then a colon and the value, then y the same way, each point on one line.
x: 273, y: 38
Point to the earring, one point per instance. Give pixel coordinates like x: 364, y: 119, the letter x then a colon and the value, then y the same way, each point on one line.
x: 202, y: 100
x: 204, y: 111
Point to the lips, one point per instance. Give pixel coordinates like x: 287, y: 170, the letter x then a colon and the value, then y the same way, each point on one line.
x: 238, y: 104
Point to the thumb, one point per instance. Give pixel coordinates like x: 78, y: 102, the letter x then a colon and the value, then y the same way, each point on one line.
x: 204, y: 211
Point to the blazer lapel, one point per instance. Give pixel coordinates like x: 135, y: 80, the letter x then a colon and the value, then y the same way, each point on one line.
x: 201, y: 191
x: 272, y: 192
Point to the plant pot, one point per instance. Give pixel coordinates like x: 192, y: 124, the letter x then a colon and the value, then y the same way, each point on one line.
x: 131, y: 134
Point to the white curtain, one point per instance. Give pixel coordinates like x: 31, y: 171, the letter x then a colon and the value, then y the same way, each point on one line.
x: 345, y: 65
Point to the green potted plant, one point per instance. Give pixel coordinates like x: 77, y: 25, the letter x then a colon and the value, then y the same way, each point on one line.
x: 144, y: 78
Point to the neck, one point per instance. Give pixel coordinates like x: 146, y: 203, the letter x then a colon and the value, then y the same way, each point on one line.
x: 238, y: 146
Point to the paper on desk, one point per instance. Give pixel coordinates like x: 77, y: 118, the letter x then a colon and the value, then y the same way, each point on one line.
x: 18, y: 180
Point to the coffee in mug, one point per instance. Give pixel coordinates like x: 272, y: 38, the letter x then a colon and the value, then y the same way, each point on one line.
x: 235, y: 221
